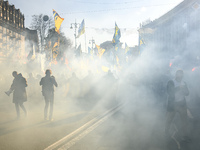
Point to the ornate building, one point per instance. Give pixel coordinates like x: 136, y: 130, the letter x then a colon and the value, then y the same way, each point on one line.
x: 12, y: 36
x: 176, y: 33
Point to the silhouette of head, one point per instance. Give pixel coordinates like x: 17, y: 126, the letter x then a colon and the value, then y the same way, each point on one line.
x: 14, y: 73
x: 48, y: 72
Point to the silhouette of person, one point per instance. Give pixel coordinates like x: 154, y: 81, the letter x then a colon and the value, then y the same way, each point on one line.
x: 18, y: 88
x: 177, y: 90
x: 48, y: 82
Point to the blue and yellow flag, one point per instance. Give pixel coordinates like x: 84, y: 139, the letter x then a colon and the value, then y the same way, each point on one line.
x: 58, y: 20
x: 81, y: 29
x: 116, y: 35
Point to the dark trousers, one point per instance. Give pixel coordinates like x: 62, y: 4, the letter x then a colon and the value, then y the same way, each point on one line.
x: 17, y: 105
x: 49, y: 100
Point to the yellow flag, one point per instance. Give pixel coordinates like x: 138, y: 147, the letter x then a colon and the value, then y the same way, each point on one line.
x: 58, y: 20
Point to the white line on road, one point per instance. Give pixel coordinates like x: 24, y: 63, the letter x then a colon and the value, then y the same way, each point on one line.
x: 75, y: 136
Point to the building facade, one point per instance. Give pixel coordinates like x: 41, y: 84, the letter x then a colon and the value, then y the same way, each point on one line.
x: 12, y: 36
x: 175, y: 33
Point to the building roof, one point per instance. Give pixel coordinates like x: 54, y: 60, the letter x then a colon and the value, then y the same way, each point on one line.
x: 172, y: 13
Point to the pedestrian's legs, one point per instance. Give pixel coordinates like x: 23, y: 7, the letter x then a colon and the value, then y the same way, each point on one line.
x: 51, y: 109
x: 17, y: 110
x: 23, y: 108
x: 170, y: 117
x: 46, y: 108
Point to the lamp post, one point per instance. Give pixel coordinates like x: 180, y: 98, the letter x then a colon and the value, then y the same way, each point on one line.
x: 75, y: 27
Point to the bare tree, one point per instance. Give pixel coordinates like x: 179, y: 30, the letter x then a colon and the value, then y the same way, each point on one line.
x: 38, y: 23
x: 46, y: 29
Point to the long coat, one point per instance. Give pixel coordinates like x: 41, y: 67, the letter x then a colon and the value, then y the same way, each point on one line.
x: 19, y: 89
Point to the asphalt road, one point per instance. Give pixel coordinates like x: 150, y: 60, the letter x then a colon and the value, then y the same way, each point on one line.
x: 32, y: 132
x: 138, y: 129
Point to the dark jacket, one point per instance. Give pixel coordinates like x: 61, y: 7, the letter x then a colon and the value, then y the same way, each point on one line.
x: 19, y: 89
x: 48, y: 84
x: 171, y: 90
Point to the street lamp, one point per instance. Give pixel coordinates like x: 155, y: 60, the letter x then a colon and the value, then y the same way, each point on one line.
x: 75, y: 27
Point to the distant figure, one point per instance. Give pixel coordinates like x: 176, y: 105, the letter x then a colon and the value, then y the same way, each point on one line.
x: 48, y: 82
x: 74, y: 88
x: 18, y: 88
x: 177, y: 90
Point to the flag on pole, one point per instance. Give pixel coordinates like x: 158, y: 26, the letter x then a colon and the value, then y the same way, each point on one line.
x: 116, y: 35
x: 58, y: 21
x: 81, y: 29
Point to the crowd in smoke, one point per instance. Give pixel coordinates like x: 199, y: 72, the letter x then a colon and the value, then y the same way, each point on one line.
x: 140, y: 85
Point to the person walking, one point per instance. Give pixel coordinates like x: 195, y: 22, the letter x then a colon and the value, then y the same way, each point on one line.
x: 177, y: 90
x: 48, y: 82
x: 18, y: 88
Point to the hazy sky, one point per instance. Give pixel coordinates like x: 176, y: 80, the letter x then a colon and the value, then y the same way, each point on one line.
x: 128, y: 14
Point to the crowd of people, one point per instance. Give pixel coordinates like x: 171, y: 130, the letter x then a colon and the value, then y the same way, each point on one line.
x: 71, y: 88
x: 88, y: 88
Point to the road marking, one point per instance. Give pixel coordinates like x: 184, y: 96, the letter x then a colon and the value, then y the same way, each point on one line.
x: 69, y: 140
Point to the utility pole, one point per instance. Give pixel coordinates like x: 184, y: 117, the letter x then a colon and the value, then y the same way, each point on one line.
x: 92, y: 41
x: 75, y: 27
